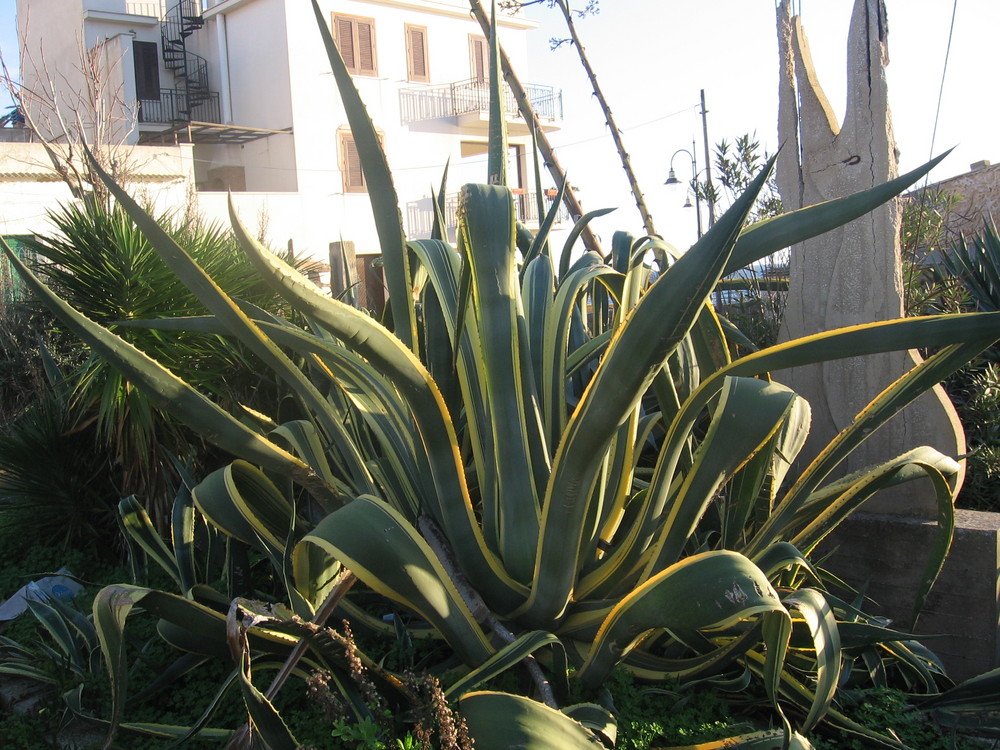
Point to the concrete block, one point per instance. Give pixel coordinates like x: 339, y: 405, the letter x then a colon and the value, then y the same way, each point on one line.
x: 890, y: 552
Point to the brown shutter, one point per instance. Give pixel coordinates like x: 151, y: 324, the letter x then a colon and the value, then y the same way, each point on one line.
x: 416, y: 54
x: 145, y: 56
x: 344, y: 34
x: 366, y: 47
x: 354, y: 177
x: 479, y: 58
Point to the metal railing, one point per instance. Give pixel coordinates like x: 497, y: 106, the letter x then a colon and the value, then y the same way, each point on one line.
x: 171, y: 107
x: 473, y: 95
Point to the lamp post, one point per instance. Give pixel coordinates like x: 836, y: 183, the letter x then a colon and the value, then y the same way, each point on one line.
x: 672, y: 180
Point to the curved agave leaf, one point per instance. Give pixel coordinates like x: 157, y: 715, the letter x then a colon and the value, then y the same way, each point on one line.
x: 660, y: 320
x: 376, y: 543
x: 766, y: 237
x: 450, y: 504
x: 500, y: 721
x: 826, y: 644
x: 139, y: 526
x: 705, y: 591
x: 511, y: 655
x: 381, y: 191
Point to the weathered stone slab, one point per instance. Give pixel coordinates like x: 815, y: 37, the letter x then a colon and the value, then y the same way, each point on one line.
x: 852, y: 275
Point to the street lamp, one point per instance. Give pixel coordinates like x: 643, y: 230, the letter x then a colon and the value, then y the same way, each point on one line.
x: 672, y: 180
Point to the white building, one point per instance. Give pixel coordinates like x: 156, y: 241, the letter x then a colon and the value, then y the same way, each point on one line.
x: 247, y: 82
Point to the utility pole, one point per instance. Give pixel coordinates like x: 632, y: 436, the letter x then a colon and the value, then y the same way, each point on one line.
x: 709, y: 190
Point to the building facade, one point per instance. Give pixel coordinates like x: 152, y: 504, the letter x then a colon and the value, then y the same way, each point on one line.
x: 248, y: 85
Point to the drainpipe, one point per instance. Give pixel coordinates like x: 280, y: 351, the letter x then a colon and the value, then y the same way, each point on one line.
x: 225, y: 105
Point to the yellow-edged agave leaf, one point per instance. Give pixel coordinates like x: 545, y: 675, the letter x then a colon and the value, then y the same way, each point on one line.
x: 887, y: 403
x: 381, y: 190
x: 650, y: 667
x: 558, y: 320
x: 240, y: 500
x: 749, y: 413
x: 705, y: 591
x: 636, y: 354
x: 537, y: 295
x: 822, y: 624
x: 763, y: 238
x: 239, y: 324
x: 137, y: 524
x: 171, y: 394
x: 486, y: 241
x: 378, y: 545
x: 511, y: 655
x: 500, y: 721
x: 450, y: 504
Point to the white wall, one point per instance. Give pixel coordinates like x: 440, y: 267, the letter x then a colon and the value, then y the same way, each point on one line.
x: 29, y: 188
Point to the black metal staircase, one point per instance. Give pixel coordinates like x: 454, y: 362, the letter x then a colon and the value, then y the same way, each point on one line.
x: 191, y: 70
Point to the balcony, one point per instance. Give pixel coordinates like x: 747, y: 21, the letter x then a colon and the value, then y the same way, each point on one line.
x: 468, y: 102
x: 178, y: 105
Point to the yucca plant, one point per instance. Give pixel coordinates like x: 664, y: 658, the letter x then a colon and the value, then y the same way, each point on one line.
x: 100, y: 263
x: 566, y: 470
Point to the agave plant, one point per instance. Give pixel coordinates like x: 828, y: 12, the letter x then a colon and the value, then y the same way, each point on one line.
x: 567, y: 465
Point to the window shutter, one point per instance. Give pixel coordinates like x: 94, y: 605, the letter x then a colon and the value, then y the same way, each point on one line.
x: 345, y: 41
x: 416, y: 54
x: 356, y: 42
x: 479, y: 57
x: 366, y: 47
x: 354, y: 177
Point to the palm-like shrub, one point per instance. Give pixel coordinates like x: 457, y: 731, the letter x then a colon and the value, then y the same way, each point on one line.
x: 99, y: 262
x: 570, y: 464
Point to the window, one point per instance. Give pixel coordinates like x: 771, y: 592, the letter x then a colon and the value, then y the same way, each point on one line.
x: 147, y: 70
x: 356, y: 42
x: 350, y: 165
x: 416, y: 54
x: 479, y: 58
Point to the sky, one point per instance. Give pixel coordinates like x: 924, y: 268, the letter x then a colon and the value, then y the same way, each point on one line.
x: 654, y: 56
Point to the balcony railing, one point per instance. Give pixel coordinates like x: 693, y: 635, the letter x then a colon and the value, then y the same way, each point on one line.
x: 176, y: 105
x: 473, y: 96
x: 154, y: 8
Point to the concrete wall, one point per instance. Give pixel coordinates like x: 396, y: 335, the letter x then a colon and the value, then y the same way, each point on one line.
x: 888, y: 554
x: 29, y: 188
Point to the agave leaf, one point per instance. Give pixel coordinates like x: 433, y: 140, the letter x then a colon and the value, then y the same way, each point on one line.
x: 574, y: 234
x: 376, y: 543
x: 826, y: 643
x: 381, y: 191
x: 170, y: 393
x: 499, y: 721
x: 497, y: 157
x: 450, y: 504
x: 709, y: 590
x: 661, y: 319
x: 267, y: 721
x: 509, y: 656
x: 766, y: 237
x: 488, y: 228
x: 749, y: 413
x: 139, y: 526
